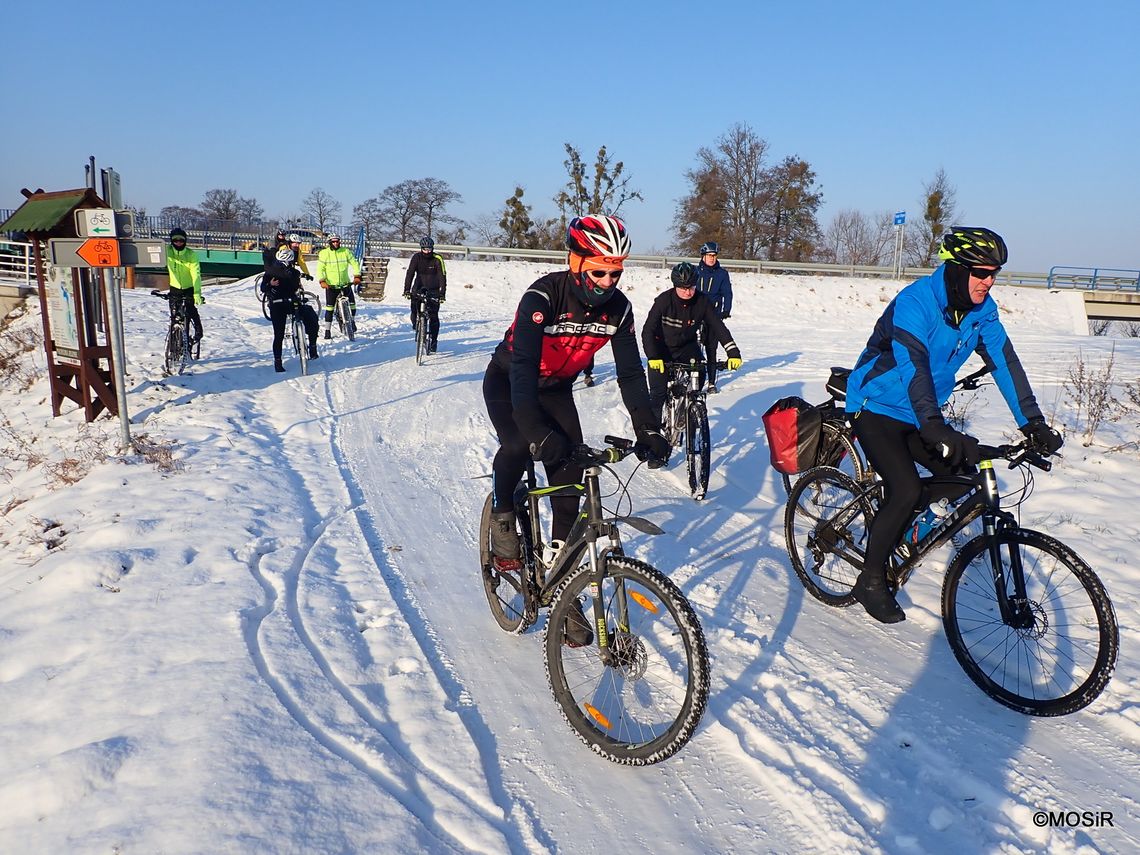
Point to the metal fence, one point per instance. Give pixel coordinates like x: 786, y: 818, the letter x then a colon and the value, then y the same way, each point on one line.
x: 1094, y: 278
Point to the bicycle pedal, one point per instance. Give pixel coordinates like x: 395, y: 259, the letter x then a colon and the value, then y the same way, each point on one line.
x: 507, y: 565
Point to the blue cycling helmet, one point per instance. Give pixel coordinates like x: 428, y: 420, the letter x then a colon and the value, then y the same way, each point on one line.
x: 710, y: 246
x: 427, y: 243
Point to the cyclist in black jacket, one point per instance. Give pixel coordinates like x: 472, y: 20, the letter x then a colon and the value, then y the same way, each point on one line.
x: 679, y: 323
x: 282, y: 291
x: 562, y: 320
x: 426, y: 279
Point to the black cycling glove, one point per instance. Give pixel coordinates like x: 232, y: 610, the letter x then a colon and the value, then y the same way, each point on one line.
x: 1042, y: 437
x: 953, y: 446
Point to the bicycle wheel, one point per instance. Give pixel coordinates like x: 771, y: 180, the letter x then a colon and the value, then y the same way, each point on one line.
x: 837, y: 449
x: 300, y: 344
x: 826, y: 526
x: 262, y: 296
x: 697, y: 435
x: 346, y: 321
x: 421, y: 337
x: 1059, y: 657
x: 177, y: 350
x: 645, y: 705
x: 505, y: 591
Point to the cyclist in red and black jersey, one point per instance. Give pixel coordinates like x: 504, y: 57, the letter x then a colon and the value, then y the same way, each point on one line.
x: 562, y: 320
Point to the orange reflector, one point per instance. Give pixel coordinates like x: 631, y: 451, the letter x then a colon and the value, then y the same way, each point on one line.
x: 642, y: 601
x: 596, y: 715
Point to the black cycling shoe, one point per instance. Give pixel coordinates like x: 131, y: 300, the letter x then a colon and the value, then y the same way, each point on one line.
x: 278, y: 367
x: 877, y: 600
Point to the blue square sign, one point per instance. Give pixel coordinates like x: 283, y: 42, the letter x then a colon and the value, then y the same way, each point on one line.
x: 900, y: 218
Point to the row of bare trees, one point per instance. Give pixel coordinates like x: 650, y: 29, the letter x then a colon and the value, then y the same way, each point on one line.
x: 754, y: 205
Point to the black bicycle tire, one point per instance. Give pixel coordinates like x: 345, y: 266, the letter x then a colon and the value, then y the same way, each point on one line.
x: 262, y: 296
x: 300, y: 344
x: 795, y: 515
x: 516, y: 615
x: 421, y: 338
x: 348, y: 326
x: 699, y: 453
x: 176, y: 350
x: 836, y: 443
x: 676, y: 732
x: 1107, y: 632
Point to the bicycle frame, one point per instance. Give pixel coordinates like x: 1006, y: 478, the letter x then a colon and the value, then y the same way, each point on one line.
x: 588, y: 529
x: 977, y: 495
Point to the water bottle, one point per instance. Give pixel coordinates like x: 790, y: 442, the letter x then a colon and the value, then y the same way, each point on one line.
x: 930, y: 519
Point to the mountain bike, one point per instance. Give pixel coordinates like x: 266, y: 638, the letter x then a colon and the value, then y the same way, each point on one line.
x: 838, y: 446
x: 637, y: 690
x: 1029, y: 621
x: 685, y: 420
x: 423, y: 334
x: 342, y: 311
x: 179, y: 347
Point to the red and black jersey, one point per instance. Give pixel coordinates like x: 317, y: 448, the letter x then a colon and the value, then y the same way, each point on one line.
x: 555, y: 335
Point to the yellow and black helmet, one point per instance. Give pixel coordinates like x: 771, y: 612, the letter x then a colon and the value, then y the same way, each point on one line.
x: 973, y: 246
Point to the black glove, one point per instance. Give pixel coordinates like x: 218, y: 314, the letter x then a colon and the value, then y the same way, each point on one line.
x: 954, y: 447
x: 307, y: 276
x: 1041, y: 437
x: 552, y: 450
x: 725, y: 316
x: 656, y: 445
x: 407, y: 295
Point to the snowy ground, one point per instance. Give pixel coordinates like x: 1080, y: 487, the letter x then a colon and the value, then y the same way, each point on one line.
x: 283, y: 645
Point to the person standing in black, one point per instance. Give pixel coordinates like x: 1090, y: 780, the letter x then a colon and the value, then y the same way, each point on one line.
x: 679, y: 323
x: 426, y: 282
x: 282, y: 292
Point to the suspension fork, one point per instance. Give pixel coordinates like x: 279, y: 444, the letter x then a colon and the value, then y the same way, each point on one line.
x: 1012, y: 607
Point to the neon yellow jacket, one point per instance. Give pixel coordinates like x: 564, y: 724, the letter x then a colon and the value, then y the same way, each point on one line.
x: 185, y: 270
x: 333, y: 266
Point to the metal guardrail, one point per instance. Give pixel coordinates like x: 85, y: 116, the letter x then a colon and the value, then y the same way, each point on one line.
x: 1094, y: 278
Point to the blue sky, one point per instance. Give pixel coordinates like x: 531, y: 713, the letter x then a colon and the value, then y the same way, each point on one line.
x: 1030, y: 107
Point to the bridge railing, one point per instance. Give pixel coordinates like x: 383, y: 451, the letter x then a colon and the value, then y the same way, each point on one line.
x: 1094, y: 278
x: 17, y: 261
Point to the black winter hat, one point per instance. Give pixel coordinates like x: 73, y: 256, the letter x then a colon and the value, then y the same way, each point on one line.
x: 176, y: 232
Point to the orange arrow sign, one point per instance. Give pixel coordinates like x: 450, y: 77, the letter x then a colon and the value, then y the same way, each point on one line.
x: 100, y: 252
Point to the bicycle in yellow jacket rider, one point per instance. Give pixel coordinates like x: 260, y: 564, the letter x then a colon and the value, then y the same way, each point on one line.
x: 185, y: 272
x: 337, y: 271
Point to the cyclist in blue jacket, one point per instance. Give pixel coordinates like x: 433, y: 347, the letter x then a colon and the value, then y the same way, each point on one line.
x: 713, y: 282
x: 906, y: 373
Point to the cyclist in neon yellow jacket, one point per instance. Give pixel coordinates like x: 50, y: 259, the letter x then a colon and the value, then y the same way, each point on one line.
x: 337, y: 271
x: 185, y: 272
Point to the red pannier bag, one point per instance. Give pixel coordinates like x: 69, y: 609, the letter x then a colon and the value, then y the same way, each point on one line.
x: 793, y: 428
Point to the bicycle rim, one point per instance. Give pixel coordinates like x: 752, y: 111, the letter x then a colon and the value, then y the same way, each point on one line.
x: 823, y: 521
x: 505, y: 591
x: 645, y: 706
x: 699, y: 450
x: 1062, y: 655
x: 421, y: 339
x: 348, y: 323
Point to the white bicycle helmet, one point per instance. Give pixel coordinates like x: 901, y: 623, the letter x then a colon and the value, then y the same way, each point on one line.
x: 286, y: 255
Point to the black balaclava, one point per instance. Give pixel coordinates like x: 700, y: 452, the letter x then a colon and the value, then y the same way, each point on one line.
x: 957, y: 279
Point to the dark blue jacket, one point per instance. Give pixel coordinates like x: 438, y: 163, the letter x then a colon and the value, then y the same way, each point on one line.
x: 713, y: 283
x: 907, y: 370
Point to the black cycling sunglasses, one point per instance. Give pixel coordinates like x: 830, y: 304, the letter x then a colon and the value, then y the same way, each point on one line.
x: 979, y: 273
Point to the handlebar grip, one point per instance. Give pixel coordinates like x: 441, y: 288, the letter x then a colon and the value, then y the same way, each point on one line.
x: 619, y: 442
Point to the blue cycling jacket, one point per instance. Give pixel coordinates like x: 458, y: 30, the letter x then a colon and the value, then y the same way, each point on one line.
x: 714, y: 283
x: 908, y: 368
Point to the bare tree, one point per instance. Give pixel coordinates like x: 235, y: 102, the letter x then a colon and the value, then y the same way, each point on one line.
x: 853, y: 237
x: 602, y: 193
x: 369, y: 216
x: 728, y: 188
x: 434, y: 197
x: 249, y: 211
x: 939, y: 202
x: 221, y: 206
x: 182, y: 216
x: 321, y: 207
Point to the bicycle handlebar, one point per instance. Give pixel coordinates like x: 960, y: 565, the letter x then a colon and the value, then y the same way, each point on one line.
x: 971, y: 381
x: 692, y: 365
x: 165, y: 295
x: 617, y: 450
x: 1018, y: 454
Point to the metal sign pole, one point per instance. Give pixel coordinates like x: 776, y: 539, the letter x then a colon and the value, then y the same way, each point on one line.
x: 900, y: 221
x: 115, y: 334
